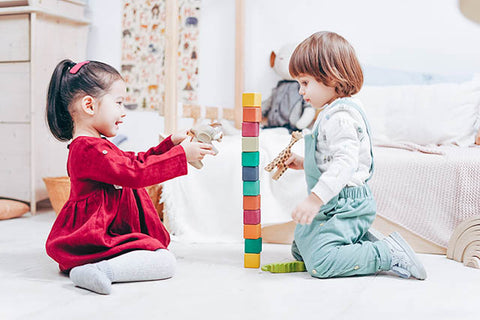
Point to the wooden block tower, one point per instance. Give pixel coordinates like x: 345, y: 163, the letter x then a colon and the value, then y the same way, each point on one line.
x: 252, y: 115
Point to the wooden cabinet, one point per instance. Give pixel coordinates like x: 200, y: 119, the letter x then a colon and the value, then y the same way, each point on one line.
x: 34, y: 37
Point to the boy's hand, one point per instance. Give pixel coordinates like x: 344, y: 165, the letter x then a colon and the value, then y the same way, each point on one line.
x: 294, y: 162
x: 307, y: 209
x: 195, y: 151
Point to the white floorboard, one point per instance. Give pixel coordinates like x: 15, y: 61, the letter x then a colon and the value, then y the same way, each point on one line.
x: 211, y: 283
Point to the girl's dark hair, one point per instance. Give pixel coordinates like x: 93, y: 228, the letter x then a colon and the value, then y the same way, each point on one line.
x: 331, y: 60
x: 94, y: 79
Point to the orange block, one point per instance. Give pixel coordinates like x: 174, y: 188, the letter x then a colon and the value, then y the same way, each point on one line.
x: 252, y: 114
x: 252, y: 231
x: 251, y: 202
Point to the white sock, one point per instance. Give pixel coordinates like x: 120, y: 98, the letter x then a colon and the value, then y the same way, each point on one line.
x: 93, y: 276
x: 137, y: 265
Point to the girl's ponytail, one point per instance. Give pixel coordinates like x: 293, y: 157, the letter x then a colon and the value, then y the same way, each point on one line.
x: 58, y: 99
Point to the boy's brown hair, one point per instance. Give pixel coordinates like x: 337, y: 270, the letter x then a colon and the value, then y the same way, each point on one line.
x: 331, y: 60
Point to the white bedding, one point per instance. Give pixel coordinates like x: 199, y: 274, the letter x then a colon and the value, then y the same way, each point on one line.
x: 207, y: 204
x: 427, y: 193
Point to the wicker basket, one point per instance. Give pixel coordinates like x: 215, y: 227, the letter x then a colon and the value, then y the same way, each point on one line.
x: 58, y: 189
x: 155, y: 193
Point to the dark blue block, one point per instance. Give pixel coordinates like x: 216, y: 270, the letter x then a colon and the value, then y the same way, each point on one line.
x: 250, y: 173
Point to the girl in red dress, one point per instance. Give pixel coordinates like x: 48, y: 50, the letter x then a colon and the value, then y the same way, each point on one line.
x: 108, y: 230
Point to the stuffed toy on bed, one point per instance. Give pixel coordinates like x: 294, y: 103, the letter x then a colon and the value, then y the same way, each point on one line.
x: 286, y: 107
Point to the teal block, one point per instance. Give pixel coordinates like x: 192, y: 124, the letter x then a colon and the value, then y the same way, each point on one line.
x: 253, y: 245
x: 251, y: 188
x: 250, y: 159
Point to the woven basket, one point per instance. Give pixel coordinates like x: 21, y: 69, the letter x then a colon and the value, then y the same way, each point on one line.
x: 58, y: 189
x: 155, y: 193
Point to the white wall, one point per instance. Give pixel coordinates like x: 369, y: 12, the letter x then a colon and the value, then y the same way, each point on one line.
x: 413, y: 35
x: 104, y: 37
x: 105, y: 44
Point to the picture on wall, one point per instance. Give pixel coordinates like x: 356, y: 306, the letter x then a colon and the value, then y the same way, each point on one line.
x: 143, y: 52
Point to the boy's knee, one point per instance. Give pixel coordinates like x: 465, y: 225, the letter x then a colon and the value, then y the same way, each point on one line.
x: 321, y: 275
x: 324, y: 267
x: 321, y: 271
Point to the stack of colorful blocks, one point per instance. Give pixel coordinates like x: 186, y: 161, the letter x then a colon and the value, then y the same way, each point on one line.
x: 252, y: 233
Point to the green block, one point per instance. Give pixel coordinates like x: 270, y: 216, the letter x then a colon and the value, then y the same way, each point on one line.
x: 253, y: 245
x: 251, y: 188
x: 250, y: 159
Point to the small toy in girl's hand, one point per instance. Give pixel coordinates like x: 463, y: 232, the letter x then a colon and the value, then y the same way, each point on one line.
x: 206, y: 133
x: 279, y: 161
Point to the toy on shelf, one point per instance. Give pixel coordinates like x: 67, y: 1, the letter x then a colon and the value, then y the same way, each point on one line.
x: 279, y: 161
x: 206, y: 133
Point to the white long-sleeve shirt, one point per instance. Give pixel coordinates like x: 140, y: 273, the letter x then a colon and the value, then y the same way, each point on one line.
x: 343, y: 149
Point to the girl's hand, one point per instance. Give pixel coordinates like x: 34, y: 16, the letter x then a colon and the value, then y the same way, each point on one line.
x: 294, y: 162
x: 179, y: 137
x: 307, y: 209
x: 195, y: 151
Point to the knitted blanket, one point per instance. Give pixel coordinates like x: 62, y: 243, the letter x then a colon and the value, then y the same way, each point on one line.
x: 428, y: 194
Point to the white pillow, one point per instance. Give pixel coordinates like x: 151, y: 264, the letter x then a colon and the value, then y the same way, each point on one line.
x: 440, y: 114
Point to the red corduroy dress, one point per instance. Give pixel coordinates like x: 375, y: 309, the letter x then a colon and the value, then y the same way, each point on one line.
x: 109, y: 212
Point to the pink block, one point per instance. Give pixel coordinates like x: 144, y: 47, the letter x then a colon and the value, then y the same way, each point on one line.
x: 251, y: 216
x: 250, y: 129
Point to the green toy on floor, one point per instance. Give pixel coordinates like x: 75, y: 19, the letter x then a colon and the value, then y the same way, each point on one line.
x: 285, y: 267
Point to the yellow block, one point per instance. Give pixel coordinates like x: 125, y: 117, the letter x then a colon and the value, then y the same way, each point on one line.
x: 252, y: 260
x: 250, y: 144
x: 252, y: 100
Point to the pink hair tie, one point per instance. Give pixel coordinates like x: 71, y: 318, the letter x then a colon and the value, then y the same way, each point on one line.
x: 77, y: 67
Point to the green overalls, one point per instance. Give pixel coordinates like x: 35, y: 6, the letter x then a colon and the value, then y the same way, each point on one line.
x: 335, y: 244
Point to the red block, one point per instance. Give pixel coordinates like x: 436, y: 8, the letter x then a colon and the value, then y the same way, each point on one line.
x: 251, y: 216
x: 250, y: 129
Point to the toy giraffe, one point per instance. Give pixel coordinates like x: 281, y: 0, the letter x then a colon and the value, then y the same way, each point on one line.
x: 279, y: 161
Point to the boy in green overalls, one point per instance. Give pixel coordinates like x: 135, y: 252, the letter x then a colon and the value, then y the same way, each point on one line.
x: 331, y: 236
